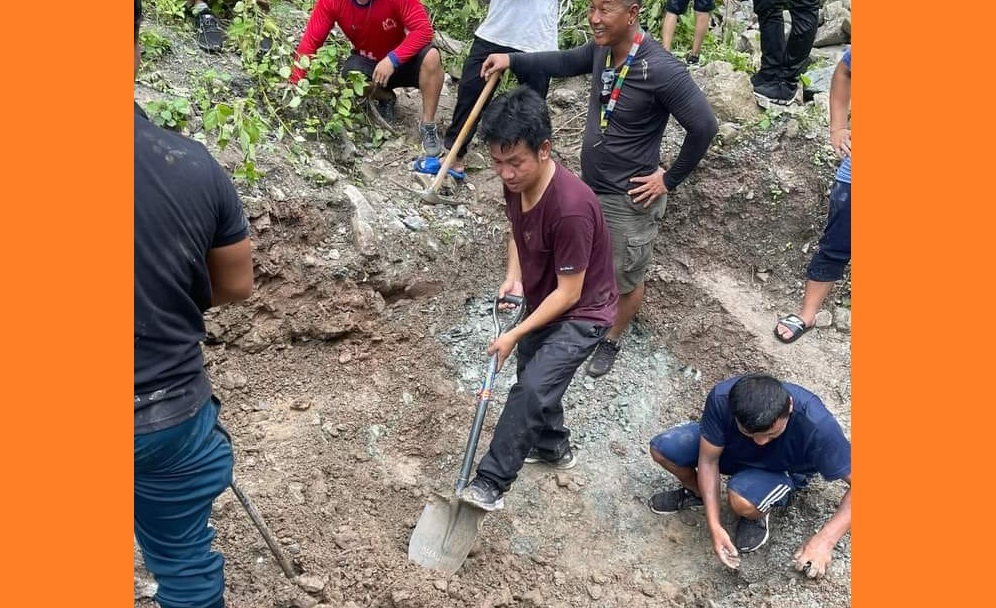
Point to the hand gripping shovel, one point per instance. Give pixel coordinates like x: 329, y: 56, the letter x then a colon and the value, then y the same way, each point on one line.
x: 448, y: 527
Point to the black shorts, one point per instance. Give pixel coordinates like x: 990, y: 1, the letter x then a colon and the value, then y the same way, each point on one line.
x: 406, y: 75
x: 678, y: 7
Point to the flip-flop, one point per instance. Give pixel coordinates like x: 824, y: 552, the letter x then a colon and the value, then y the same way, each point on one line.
x: 431, y: 166
x: 795, y: 324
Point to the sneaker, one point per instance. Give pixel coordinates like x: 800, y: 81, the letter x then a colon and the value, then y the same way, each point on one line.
x: 430, y: 139
x: 665, y: 503
x: 563, y: 462
x: 605, y: 355
x: 483, y: 494
x: 759, y: 78
x: 751, y: 534
x: 692, y: 59
x: 777, y: 92
x: 208, y: 32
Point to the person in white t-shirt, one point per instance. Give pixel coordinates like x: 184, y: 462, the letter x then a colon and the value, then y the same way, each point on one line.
x: 512, y: 26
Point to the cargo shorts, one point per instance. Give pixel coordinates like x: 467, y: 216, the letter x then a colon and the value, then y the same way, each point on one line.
x: 633, y: 228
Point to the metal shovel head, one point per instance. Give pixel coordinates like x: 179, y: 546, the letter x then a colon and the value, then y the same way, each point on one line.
x: 445, y: 533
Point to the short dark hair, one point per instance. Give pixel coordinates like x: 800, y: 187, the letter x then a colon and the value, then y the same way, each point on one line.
x: 521, y: 115
x: 138, y: 17
x: 757, y: 401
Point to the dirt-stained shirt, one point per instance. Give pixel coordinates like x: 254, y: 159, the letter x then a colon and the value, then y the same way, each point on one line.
x: 185, y: 205
x: 565, y: 233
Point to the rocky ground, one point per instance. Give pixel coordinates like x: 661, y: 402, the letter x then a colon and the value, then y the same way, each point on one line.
x: 348, y: 379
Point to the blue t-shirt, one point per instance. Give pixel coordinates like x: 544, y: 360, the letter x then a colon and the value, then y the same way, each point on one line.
x: 844, y: 171
x: 813, y: 441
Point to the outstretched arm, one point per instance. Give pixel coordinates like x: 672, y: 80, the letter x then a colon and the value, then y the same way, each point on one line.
x: 814, y: 556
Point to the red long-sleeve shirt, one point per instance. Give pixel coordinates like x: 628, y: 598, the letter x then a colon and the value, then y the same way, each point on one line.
x: 375, y: 29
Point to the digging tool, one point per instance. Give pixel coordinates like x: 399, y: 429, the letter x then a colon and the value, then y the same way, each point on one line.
x: 261, y: 526
x: 448, y: 527
x: 431, y: 194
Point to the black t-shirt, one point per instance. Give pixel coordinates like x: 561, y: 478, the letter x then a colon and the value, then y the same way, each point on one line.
x: 185, y: 204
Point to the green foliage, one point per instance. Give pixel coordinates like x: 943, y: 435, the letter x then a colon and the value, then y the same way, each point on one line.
x: 167, y: 11
x: 153, y: 44
x: 458, y: 18
x: 169, y: 113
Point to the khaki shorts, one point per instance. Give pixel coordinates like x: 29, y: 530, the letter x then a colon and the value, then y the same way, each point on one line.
x: 633, y: 228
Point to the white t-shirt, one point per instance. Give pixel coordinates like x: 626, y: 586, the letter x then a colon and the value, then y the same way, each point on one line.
x: 525, y: 25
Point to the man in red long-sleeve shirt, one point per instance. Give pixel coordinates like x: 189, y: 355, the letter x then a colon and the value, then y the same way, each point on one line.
x: 392, y: 45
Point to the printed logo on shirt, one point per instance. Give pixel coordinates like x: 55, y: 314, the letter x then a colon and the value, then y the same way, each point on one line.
x: 389, y: 24
x: 526, y: 235
x: 565, y: 269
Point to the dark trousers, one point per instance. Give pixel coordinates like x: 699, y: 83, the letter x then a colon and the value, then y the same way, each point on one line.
x: 179, y: 472
x: 471, y: 85
x: 533, y: 415
x: 783, y: 60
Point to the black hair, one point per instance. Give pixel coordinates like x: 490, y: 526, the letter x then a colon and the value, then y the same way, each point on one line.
x: 138, y: 17
x: 521, y: 115
x: 757, y: 401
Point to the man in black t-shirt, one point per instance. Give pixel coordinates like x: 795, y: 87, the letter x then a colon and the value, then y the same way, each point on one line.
x: 191, y: 253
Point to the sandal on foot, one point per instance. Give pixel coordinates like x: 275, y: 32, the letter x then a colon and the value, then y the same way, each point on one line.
x: 795, y: 324
x: 426, y: 164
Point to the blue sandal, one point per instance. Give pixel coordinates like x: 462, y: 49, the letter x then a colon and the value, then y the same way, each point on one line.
x: 431, y: 165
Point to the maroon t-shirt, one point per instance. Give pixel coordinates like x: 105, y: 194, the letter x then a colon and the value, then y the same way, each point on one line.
x: 565, y: 233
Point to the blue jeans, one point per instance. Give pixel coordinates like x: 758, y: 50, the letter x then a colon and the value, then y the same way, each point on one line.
x: 834, y: 253
x: 762, y: 488
x: 179, y: 472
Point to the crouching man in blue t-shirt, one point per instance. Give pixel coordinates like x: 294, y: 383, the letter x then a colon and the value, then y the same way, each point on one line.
x: 771, y: 437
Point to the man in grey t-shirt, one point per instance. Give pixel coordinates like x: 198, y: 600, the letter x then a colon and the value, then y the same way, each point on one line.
x: 512, y: 26
x: 620, y: 153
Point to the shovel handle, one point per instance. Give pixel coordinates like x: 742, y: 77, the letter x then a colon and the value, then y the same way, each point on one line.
x: 484, y: 397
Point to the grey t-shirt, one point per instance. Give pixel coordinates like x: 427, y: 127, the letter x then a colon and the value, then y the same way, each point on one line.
x: 658, y: 86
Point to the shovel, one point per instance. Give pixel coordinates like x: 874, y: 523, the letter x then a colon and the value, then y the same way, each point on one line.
x: 448, y: 527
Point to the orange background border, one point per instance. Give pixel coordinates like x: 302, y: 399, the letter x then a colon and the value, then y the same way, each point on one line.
x: 921, y: 237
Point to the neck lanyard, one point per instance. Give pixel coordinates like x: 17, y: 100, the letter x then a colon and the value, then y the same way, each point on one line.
x: 608, y: 108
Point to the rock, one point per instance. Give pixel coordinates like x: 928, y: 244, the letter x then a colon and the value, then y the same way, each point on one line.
x: 145, y: 588
x: 362, y: 221
x: 835, y: 31
x: 533, y: 597
x: 819, y: 79
x: 301, y: 404
x: 440, y: 584
x: 791, y: 129
x: 232, y: 380
x: 415, y: 223
x: 729, y: 92
x: 564, y: 97
x: 370, y: 173
x: 823, y: 319
x: 763, y: 276
x: 594, y: 591
x: 321, y: 171
x: 727, y: 131
x: 310, y: 583
x: 750, y: 42
x: 842, y: 318
x: 599, y: 579
x: 648, y: 589
x: 476, y: 161
x: 277, y: 194
x: 449, y: 44
x: 400, y: 596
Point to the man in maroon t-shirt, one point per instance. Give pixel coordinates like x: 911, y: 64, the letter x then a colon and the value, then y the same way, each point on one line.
x: 560, y: 258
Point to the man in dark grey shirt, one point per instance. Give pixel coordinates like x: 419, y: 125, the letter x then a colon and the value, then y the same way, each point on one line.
x: 636, y: 86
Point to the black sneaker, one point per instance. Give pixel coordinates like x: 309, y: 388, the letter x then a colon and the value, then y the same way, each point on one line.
x: 430, y: 139
x: 483, y: 494
x: 605, y: 355
x: 673, y: 501
x: 751, y: 534
x: 691, y: 59
x: 208, y: 32
x: 563, y: 462
x: 777, y: 92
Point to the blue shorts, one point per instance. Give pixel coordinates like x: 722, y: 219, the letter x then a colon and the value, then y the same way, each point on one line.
x: 678, y: 7
x: 763, y: 489
x: 834, y: 252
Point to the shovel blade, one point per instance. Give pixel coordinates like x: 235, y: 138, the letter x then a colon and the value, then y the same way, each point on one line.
x: 445, y: 533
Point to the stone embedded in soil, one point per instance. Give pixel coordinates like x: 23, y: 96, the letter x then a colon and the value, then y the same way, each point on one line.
x: 533, y: 597
x: 599, y: 579
x: 823, y: 319
x: 563, y: 479
x: 232, y: 380
x: 301, y: 404
x: 595, y: 592
x: 842, y: 318
x: 322, y: 172
x: 310, y: 583
x: 763, y: 277
x: 440, y: 584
